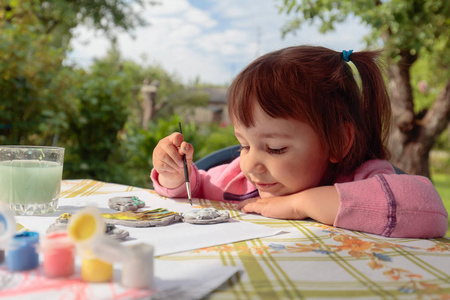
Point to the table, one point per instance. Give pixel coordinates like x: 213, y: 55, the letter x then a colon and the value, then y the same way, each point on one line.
x: 310, y: 260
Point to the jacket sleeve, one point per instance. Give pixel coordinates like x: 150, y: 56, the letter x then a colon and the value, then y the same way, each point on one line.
x: 178, y: 192
x: 391, y: 205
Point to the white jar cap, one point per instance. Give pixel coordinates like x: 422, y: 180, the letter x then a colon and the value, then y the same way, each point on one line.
x: 7, y: 225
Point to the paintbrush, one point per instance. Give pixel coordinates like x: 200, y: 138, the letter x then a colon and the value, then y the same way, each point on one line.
x: 186, y: 172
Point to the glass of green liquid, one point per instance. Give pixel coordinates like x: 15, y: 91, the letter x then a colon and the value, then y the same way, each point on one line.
x: 30, y: 178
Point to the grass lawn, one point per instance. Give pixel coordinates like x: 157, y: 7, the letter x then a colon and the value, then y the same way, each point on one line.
x: 440, y: 175
x: 442, y: 183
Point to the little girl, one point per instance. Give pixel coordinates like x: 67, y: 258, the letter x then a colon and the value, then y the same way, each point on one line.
x: 312, y: 146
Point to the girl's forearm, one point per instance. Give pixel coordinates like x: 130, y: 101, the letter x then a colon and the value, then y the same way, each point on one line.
x: 319, y: 203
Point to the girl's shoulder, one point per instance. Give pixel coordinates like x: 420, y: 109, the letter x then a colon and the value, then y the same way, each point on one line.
x: 374, y: 167
x: 368, y: 169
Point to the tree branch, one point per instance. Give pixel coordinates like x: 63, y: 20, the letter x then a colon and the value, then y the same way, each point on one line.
x: 438, y: 117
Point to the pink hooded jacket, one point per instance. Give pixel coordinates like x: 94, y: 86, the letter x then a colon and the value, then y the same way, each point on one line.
x: 373, y: 199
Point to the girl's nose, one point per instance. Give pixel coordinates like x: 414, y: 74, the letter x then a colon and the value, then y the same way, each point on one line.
x: 253, y: 163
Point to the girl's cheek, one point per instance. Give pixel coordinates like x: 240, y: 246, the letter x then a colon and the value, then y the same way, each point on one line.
x: 242, y: 166
x: 242, y: 161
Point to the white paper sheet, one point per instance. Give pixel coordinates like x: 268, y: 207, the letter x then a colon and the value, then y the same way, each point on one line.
x: 169, y: 239
x: 189, y: 280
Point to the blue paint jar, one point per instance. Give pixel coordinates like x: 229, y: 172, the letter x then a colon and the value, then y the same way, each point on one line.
x: 21, y: 253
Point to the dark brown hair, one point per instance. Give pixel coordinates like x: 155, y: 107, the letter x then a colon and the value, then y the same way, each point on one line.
x: 316, y: 86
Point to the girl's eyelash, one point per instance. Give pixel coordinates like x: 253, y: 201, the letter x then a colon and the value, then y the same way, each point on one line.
x: 276, y: 151
x: 269, y: 150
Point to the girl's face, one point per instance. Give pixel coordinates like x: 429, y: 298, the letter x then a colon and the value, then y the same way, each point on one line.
x: 281, y: 156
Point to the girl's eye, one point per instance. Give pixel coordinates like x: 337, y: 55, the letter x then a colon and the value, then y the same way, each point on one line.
x: 244, y: 148
x: 276, y: 151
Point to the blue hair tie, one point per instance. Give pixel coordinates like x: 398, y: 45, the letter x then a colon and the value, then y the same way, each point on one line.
x: 346, y: 55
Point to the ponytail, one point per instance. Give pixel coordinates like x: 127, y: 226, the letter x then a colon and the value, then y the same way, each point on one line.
x: 375, y: 103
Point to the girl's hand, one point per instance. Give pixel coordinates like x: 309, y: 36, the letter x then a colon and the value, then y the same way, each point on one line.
x: 319, y: 203
x: 274, y: 207
x: 168, y: 160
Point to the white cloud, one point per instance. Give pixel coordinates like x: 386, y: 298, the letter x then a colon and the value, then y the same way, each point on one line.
x: 228, y: 42
x: 214, y: 43
x: 199, y: 17
x: 168, y: 8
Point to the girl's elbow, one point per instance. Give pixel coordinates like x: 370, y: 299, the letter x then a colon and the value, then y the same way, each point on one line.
x: 423, y: 225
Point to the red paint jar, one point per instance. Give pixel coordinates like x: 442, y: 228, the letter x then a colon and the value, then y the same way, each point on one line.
x: 58, y: 255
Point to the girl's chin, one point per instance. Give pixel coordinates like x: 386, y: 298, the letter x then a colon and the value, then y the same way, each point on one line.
x: 276, y: 194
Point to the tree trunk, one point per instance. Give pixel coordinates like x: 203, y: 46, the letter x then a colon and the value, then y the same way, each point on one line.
x: 412, y: 138
x: 148, y: 90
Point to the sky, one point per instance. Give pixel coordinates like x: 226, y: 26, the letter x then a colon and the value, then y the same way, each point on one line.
x: 211, y: 40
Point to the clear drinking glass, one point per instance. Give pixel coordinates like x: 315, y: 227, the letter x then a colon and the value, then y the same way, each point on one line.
x: 30, y: 178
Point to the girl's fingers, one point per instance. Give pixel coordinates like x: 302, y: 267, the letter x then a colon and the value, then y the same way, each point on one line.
x: 245, y: 202
x: 166, y: 155
x: 163, y: 167
x: 188, y: 149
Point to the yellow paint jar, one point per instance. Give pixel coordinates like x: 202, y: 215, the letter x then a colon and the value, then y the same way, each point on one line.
x: 95, y: 270
x: 84, y: 228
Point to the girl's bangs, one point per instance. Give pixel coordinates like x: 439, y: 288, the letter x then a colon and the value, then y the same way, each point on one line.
x: 241, y: 99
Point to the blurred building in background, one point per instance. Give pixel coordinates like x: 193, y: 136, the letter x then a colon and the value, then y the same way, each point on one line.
x: 216, y: 111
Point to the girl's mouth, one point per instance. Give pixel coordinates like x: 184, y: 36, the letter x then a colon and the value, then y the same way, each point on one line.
x: 264, y: 186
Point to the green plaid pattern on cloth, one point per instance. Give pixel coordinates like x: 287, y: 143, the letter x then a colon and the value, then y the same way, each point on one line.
x: 314, y: 261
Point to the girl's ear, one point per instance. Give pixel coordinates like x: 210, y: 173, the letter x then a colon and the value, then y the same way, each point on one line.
x: 348, y: 135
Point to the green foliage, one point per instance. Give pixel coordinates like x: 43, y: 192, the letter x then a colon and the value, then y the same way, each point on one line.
x: 424, y: 71
x: 211, y: 138
x: 30, y: 73
x: 96, y: 116
x: 58, y: 17
x: 404, y: 25
x: 426, y: 85
x: 443, y: 142
x: 35, y: 87
x: 440, y: 170
x: 441, y: 181
x: 142, y: 143
x: 43, y: 101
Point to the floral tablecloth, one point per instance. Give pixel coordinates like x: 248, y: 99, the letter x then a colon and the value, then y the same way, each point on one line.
x: 312, y: 261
